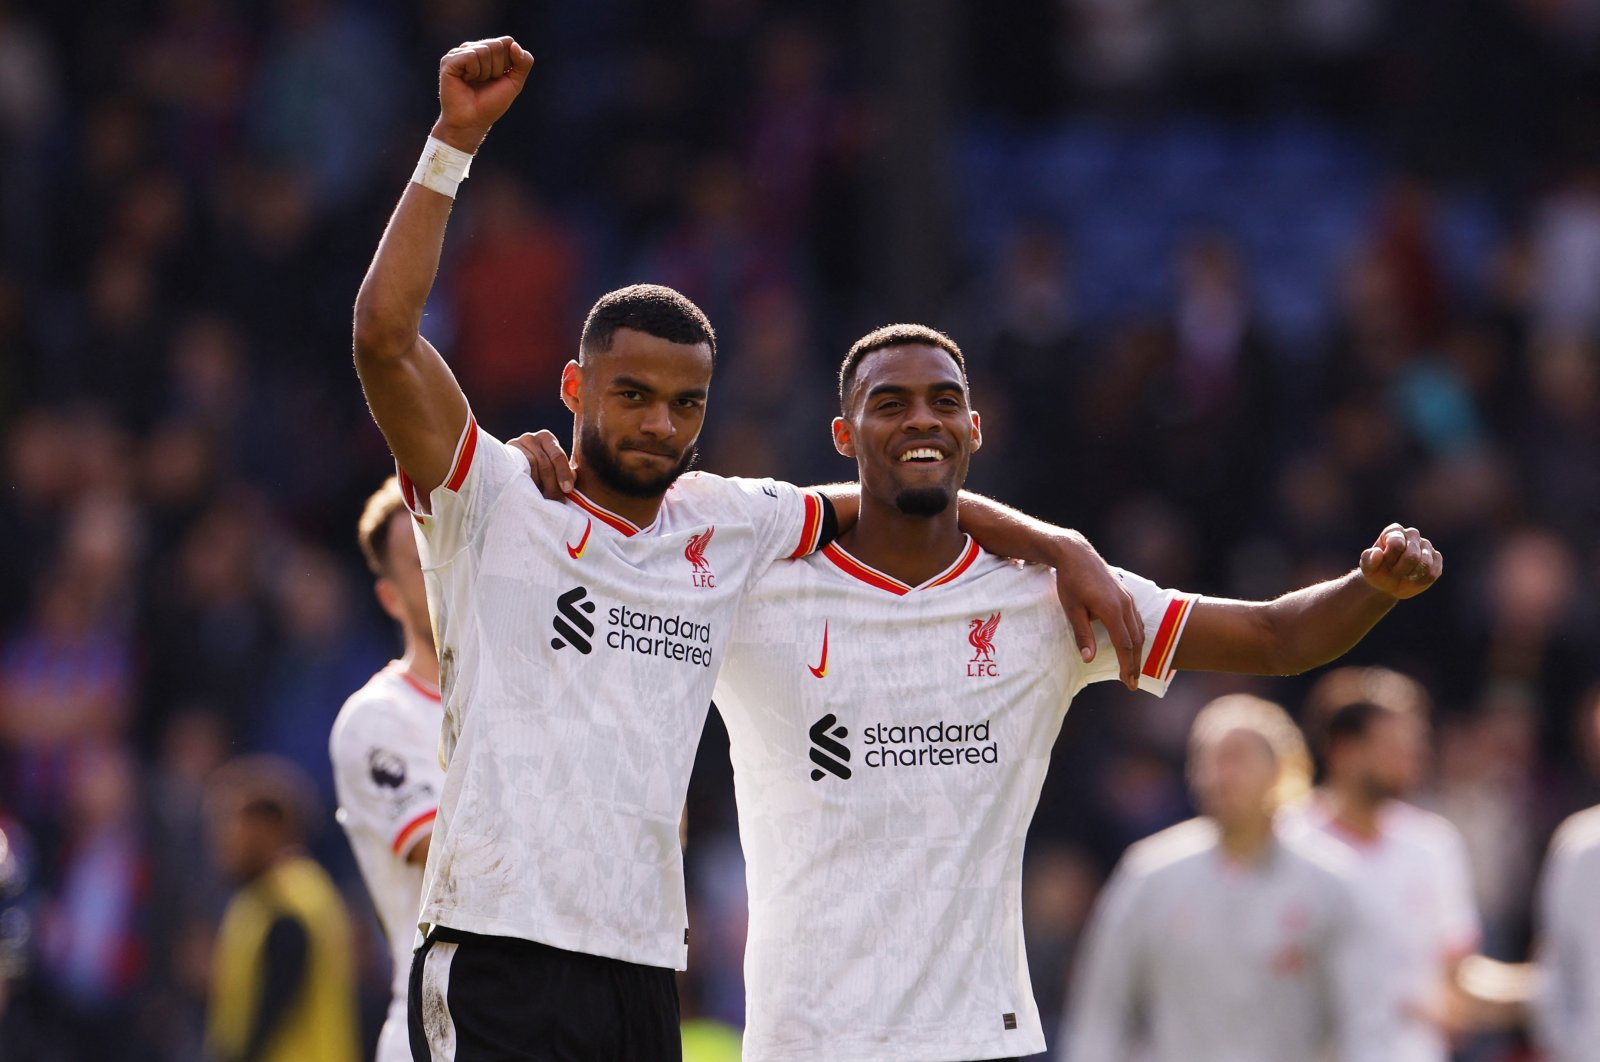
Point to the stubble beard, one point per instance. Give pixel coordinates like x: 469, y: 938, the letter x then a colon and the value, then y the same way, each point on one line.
x: 609, y: 471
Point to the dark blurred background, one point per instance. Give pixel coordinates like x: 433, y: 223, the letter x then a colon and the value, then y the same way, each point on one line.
x: 1239, y: 282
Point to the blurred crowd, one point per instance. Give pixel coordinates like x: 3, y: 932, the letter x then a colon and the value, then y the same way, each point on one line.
x: 1238, y: 281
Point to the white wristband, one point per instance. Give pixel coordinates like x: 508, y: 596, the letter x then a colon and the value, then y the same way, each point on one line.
x: 442, y: 167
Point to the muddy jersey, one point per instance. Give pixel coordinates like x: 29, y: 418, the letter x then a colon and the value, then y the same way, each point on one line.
x: 577, y: 654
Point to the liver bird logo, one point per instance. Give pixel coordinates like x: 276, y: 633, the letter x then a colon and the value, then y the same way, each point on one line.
x: 980, y: 635
x: 695, y: 551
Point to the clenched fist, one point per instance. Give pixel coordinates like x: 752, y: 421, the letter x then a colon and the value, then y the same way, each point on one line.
x: 1401, y: 562
x: 477, y: 82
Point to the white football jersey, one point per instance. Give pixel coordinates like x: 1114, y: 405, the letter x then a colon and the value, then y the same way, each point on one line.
x: 385, y: 751
x: 1567, y: 1010
x: 1414, y: 885
x: 889, y: 744
x: 1192, y: 957
x: 577, y: 655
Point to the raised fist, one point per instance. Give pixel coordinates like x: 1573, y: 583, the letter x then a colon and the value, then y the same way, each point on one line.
x: 477, y: 82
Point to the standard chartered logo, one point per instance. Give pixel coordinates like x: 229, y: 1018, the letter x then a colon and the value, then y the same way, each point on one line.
x: 936, y: 744
x: 571, y: 621
x: 827, y: 753
x: 631, y: 630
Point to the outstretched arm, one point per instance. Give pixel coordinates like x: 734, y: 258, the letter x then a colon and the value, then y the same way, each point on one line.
x: 1309, y: 627
x: 413, y: 395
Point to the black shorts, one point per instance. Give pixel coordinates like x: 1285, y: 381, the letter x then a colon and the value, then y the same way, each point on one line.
x: 479, y: 998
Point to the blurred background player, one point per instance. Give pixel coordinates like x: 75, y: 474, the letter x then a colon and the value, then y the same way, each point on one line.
x: 385, y: 751
x: 1411, y: 870
x: 1217, y: 939
x: 1566, y: 1011
x: 282, y: 988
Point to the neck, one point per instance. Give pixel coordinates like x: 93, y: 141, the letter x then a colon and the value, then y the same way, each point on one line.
x: 639, y: 511
x: 421, y: 661
x: 1355, y: 810
x: 1246, y: 840
x: 913, y: 549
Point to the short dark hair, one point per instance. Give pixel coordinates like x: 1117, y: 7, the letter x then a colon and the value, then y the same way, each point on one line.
x: 372, y: 530
x: 1343, y: 704
x: 649, y: 308
x: 894, y: 335
x: 268, y: 788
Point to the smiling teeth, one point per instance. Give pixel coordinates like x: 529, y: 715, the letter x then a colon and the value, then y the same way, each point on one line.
x: 921, y: 454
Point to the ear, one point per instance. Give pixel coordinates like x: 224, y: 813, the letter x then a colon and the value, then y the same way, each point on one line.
x: 977, y: 431
x: 571, y: 383
x: 389, y: 598
x: 843, y: 440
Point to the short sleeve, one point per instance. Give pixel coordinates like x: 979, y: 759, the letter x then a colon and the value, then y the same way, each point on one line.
x: 1165, y: 614
x: 455, y: 511
x: 787, y: 519
x: 388, y: 779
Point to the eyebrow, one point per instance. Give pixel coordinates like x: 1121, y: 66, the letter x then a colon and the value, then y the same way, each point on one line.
x: 632, y: 384
x: 901, y: 389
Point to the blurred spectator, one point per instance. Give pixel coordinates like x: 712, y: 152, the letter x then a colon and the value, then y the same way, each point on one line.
x: 324, y: 100
x: 515, y: 297
x: 282, y: 988
x: 94, y: 935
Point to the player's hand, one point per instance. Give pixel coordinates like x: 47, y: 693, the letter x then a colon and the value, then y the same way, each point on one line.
x: 547, y: 463
x: 1401, y: 562
x: 477, y: 82
x: 1088, y: 591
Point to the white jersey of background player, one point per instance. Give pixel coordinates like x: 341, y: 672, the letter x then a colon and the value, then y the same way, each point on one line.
x: 1218, y: 940
x: 385, y: 751
x: 1410, y: 865
x: 891, y: 704
x: 1566, y: 1009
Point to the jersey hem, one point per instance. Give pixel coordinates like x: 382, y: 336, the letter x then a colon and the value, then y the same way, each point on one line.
x: 580, y: 942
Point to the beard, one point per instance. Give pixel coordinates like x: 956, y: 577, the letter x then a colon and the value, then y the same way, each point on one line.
x: 608, y: 470
x: 922, y: 501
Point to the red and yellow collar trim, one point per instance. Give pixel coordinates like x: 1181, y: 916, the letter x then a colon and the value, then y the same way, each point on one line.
x: 620, y: 524
x: 873, y: 577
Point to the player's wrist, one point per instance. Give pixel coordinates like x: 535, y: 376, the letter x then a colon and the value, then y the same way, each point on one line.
x: 1067, y: 548
x: 442, y: 166
x: 468, y: 138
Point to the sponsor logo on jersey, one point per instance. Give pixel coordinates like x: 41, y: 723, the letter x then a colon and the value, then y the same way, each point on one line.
x: 820, y: 670
x: 828, y: 750
x: 937, y: 744
x: 583, y: 543
x: 630, y: 630
x: 700, y: 573
x: 980, y: 635
x: 572, y: 622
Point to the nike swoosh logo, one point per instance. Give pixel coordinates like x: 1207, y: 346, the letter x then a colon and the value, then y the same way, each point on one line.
x: 577, y: 551
x: 821, y: 670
